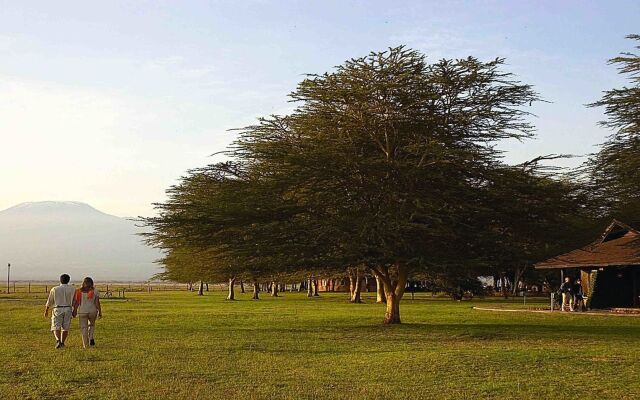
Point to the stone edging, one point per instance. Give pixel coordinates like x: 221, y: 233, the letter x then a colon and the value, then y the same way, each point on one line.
x: 558, y: 312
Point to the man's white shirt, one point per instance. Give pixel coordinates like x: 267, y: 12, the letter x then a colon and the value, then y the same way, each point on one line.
x: 61, y: 296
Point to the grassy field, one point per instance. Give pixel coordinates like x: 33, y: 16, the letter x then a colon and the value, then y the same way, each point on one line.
x: 178, y: 345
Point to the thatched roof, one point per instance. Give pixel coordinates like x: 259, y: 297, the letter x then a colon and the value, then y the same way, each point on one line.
x: 618, y: 246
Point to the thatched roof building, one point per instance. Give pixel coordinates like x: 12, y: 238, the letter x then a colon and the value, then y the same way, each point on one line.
x: 609, y: 267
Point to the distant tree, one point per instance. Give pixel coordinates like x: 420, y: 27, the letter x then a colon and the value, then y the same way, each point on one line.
x: 356, y: 279
x: 614, y: 172
x: 539, y: 212
x: 231, y: 223
x: 622, y: 106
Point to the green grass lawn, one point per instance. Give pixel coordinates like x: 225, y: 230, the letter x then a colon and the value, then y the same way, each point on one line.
x: 178, y: 345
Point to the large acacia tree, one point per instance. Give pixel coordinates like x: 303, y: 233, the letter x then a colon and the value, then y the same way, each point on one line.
x: 393, y: 157
x: 387, y: 162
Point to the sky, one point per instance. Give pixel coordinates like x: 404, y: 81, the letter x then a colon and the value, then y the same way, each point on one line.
x: 109, y: 103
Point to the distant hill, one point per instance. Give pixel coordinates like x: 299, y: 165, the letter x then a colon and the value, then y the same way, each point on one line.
x: 42, y: 240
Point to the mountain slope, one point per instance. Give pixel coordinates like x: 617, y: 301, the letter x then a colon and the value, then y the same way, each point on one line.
x: 42, y: 240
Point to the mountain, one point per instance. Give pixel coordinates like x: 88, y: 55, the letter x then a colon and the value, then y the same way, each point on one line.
x: 42, y: 240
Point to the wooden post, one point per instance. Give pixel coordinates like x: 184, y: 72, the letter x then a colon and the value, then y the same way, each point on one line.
x: 45, y: 289
x: 29, y: 286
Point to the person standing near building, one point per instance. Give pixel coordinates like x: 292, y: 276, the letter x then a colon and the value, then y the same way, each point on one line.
x: 566, y: 289
x: 60, y: 300
x: 578, y: 295
x: 86, y: 305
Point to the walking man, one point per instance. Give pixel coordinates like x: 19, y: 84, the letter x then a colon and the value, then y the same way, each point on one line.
x: 566, y: 289
x: 60, y: 301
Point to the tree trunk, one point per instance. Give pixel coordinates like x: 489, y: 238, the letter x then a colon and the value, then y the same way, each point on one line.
x: 274, y: 289
x: 518, y: 278
x: 310, y: 288
x: 355, y: 285
x: 206, y: 286
x: 393, y: 290
x: 357, y: 289
x: 392, y: 314
x: 256, y: 290
x: 201, y: 289
x: 352, y: 284
x: 315, y: 288
x: 232, y: 295
x: 241, y: 286
x: 301, y: 287
x: 380, y: 298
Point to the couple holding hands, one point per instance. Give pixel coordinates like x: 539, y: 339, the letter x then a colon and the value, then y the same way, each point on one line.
x: 66, y: 302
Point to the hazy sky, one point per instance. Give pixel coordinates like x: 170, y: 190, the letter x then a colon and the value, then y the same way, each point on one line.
x: 110, y: 102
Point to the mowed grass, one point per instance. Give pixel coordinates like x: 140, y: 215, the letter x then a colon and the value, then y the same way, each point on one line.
x: 177, y: 345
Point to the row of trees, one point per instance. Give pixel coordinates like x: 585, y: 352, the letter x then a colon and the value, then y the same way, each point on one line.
x: 388, y: 166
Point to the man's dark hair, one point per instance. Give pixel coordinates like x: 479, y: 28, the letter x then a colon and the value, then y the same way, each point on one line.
x: 64, y: 278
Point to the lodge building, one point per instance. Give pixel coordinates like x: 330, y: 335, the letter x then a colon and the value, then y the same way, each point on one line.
x: 609, y: 267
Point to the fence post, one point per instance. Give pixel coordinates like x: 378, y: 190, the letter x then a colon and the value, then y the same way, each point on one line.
x: 29, y: 286
x: 552, y: 298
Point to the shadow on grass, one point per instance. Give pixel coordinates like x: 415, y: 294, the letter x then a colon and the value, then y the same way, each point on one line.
x: 425, y: 332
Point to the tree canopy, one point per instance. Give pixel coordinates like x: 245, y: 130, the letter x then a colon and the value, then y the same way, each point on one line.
x: 614, y: 172
x: 387, y: 162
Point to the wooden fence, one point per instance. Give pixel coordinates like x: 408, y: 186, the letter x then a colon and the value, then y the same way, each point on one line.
x: 111, y: 289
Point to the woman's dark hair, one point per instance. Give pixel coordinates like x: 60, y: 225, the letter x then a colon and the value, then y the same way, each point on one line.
x: 87, y: 284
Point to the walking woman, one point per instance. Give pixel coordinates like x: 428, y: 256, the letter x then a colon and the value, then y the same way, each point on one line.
x: 86, y: 305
